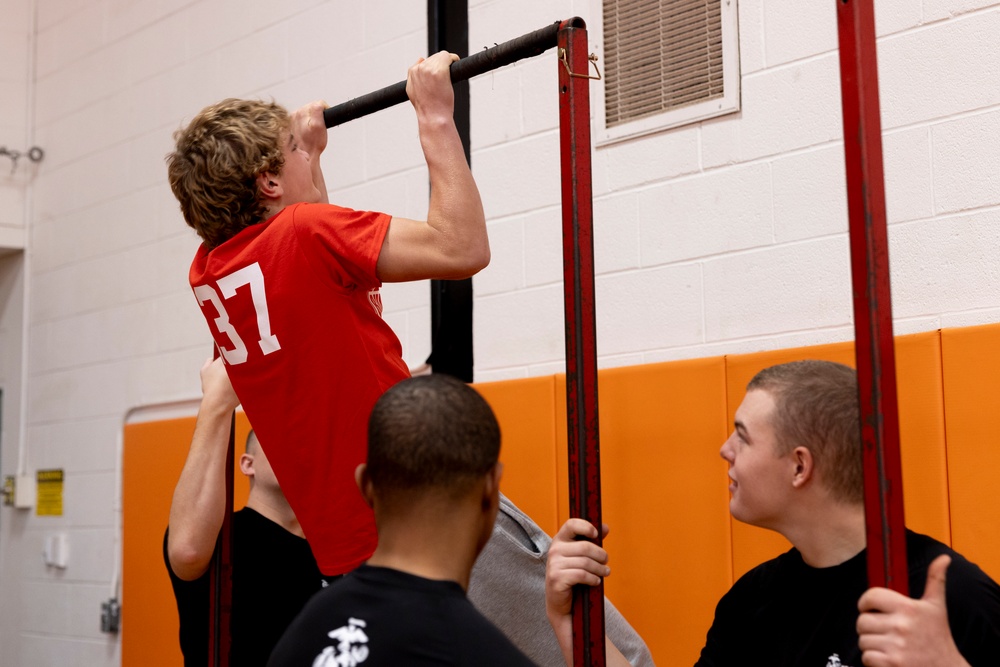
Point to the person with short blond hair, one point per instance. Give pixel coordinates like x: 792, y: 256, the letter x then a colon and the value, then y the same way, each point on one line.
x: 289, y: 285
x: 213, y: 169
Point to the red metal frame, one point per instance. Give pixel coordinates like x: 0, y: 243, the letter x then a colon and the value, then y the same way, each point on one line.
x: 873, y: 339
x: 872, y: 313
x: 220, y: 593
x: 581, y: 329
x: 220, y: 583
x: 578, y: 266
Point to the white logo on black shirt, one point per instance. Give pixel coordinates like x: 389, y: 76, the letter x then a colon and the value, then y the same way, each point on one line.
x: 351, y: 649
x: 834, y: 661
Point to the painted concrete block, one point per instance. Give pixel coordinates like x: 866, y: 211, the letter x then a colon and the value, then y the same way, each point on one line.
x: 723, y: 210
x: 966, y: 160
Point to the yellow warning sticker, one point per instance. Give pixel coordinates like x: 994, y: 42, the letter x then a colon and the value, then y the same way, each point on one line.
x: 50, y: 493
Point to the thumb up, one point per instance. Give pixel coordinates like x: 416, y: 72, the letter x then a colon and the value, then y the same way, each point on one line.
x: 895, y: 630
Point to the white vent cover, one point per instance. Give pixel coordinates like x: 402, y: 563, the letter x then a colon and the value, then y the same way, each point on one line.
x: 666, y: 55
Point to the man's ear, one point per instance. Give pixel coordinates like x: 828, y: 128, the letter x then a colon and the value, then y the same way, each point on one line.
x: 805, y: 466
x: 491, y: 487
x: 269, y: 185
x: 489, y: 504
x: 246, y: 465
x: 364, y: 482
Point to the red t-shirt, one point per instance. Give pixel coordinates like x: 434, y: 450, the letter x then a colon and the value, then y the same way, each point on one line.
x: 294, y: 306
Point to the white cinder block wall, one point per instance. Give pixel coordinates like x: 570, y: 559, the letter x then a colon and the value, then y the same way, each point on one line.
x: 730, y: 235
x: 15, y: 31
x: 725, y: 236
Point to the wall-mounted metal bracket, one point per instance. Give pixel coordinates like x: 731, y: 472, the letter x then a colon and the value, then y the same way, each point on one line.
x: 593, y: 61
x: 35, y: 154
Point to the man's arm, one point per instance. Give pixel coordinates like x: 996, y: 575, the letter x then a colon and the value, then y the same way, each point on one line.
x: 199, y: 502
x: 571, y: 562
x: 453, y: 242
x: 896, y: 630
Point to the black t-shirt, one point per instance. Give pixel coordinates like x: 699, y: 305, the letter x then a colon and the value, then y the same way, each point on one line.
x: 380, y: 617
x: 274, y: 575
x: 784, y: 612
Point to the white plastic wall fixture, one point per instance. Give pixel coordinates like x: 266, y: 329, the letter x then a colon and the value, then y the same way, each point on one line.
x: 24, y: 491
x: 56, y: 550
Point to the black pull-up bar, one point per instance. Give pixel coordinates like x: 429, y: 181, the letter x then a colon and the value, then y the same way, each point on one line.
x: 526, y: 46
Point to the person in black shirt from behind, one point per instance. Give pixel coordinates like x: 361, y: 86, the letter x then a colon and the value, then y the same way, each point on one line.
x: 432, y: 477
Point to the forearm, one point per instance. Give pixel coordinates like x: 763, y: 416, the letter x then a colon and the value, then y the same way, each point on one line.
x: 317, y: 177
x: 309, y: 126
x: 615, y: 657
x: 572, y: 562
x: 563, y: 628
x: 456, y: 209
x: 199, y: 500
x: 452, y: 243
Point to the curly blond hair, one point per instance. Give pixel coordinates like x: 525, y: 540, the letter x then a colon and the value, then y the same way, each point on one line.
x: 217, y: 159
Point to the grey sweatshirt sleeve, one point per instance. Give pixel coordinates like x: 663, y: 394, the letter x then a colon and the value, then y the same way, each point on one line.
x: 508, y: 587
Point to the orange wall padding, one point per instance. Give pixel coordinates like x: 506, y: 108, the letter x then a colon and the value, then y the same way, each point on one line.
x: 527, y: 415
x: 666, y: 500
x: 922, y: 434
x: 972, y: 402
x: 674, y: 549
x: 154, y: 454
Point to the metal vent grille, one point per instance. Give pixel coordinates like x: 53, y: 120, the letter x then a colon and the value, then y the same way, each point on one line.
x: 660, y: 55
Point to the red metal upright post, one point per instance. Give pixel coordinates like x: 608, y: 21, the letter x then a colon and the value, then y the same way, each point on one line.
x: 873, y: 339
x: 578, y: 262
x: 220, y: 588
x: 581, y: 328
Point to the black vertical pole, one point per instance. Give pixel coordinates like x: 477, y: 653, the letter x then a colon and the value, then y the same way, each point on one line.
x: 220, y: 590
x: 451, y: 300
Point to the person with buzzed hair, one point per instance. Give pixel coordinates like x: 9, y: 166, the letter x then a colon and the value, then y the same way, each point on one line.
x: 432, y: 479
x: 795, y: 467
x: 274, y: 572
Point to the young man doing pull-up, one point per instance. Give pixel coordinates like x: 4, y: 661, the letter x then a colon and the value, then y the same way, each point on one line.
x: 289, y: 285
